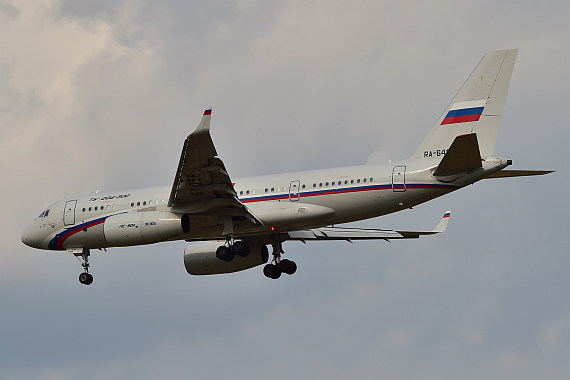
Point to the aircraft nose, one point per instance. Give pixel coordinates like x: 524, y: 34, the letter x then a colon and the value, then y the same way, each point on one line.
x: 31, y: 237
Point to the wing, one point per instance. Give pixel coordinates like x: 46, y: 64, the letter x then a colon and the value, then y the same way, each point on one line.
x: 202, y: 185
x: 349, y: 234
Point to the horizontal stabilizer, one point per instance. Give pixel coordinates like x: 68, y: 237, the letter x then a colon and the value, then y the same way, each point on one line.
x: 518, y: 173
x: 461, y: 157
x: 349, y: 234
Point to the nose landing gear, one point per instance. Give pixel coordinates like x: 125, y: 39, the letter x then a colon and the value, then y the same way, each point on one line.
x: 85, y: 278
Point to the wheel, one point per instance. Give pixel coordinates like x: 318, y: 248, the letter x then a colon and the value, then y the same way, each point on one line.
x: 224, y: 253
x: 272, y: 271
x: 85, y: 278
x: 240, y: 248
x: 287, y: 266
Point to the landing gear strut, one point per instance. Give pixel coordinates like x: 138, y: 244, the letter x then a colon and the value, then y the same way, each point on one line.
x: 85, y: 278
x: 279, y: 265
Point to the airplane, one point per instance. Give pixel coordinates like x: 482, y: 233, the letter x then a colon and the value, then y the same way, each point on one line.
x: 231, y: 222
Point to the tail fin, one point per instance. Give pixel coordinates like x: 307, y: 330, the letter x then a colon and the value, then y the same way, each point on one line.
x: 477, y: 107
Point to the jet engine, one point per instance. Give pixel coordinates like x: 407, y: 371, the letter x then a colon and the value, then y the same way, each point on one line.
x: 200, y: 259
x: 134, y: 228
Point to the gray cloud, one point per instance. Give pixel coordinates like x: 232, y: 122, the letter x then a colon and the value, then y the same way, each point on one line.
x: 101, y: 95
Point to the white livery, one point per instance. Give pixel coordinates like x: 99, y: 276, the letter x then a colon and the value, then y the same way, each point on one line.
x: 236, y: 220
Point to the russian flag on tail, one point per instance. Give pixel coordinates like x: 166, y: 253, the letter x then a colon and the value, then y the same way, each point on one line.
x: 463, y: 112
x: 208, y: 112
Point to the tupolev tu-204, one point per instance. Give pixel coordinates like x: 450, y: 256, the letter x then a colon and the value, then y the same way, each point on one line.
x: 236, y: 220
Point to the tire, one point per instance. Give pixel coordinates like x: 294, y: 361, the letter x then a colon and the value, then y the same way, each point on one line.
x: 240, y: 248
x: 287, y: 266
x: 224, y: 253
x: 85, y: 278
x: 272, y: 271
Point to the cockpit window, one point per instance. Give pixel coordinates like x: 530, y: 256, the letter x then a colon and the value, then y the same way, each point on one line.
x: 46, y: 214
x: 42, y: 214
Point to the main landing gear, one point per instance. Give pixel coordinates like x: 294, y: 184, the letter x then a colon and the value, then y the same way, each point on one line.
x: 85, y: 278
x: 232, y: 248
x: 279, y: 265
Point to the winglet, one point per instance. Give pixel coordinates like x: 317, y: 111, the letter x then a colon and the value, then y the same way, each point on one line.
x: 204, y: 125
x: 442, y: 225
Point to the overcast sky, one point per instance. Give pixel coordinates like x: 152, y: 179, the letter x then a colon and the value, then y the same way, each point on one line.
x: 99, y: 95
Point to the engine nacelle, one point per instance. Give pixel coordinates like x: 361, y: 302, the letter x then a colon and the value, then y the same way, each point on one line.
x: 200, y: 259
x: 135, y: 228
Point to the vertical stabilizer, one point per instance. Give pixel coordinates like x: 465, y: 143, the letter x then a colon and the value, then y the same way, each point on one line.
x: 477, y: 107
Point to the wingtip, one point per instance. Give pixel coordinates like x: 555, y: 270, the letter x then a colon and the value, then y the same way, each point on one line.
x: 442, y: 225
x: 204, y: 125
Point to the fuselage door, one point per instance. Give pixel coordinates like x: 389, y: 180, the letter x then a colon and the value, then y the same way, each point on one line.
x: 294, y: 189
x: 69, y: 213
x: 399, y: 178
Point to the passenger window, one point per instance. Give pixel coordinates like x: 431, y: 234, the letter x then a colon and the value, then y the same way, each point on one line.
x: 320, y: 184
x: 272, y: 189
x: 138, y: 204
x: 303, y: 186
x: 371, y: 179
x: 266, y: 189
x: 364, y: 180
x: 95, y: 208
x: 132, y: 204
x: 351, y: 181
x: 333, y: 182
x: 144, y: 203
x: 314, y: 185
x: 345, y: 182
x: 358, y: 180
x: 89, y: 208
x: 326, y: 184
x: 241, y: 192
x: 247, y: 191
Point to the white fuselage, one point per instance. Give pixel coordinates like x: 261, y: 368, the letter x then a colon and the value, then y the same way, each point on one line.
x: 283, y: 202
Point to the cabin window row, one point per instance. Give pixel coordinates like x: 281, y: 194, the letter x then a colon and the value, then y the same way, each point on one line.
x: 320, y: 184
x: 109, y: 207
x: 346, y: 182
x: 97, y: 208
x: 144, y: 203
